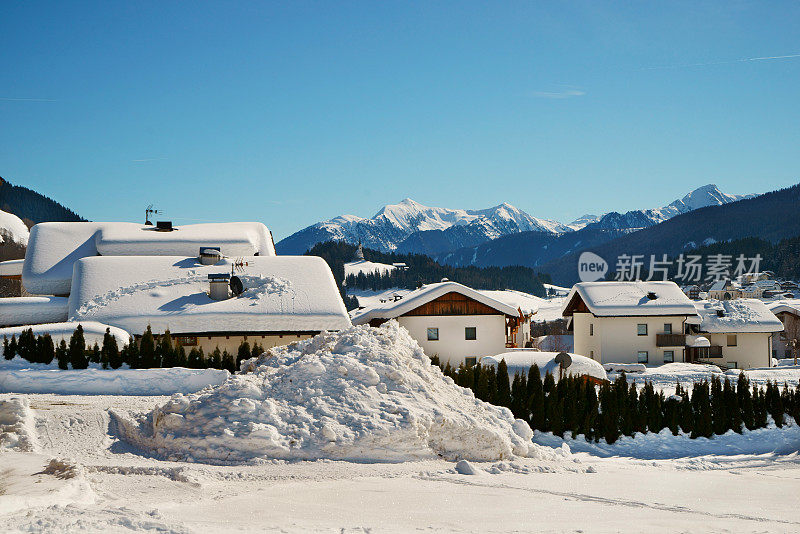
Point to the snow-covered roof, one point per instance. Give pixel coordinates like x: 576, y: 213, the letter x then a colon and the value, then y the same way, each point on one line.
x: 609, y: 299
x: 55, y: 246
x: 529, y: 304
x: 790, y: 306
x: 32, y: 310
x: 13, y: 226
x: 282, y: 294
x: 739, y: 315
x: 425, y: 294
x: 93, y: 332
x: 719, y: 285
x: 11, y: 267
x: 520, y: 361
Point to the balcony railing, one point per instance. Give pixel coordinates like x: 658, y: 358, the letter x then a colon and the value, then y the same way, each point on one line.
x: 670, y: 340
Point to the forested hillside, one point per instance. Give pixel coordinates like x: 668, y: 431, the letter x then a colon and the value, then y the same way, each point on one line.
x: 423, y: 270
x: 33, y: 207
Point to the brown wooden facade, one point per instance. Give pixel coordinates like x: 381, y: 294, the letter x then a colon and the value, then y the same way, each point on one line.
x: 453, y: 304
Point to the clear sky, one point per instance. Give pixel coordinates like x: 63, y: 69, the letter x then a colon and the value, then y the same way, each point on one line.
x: 294, y: 112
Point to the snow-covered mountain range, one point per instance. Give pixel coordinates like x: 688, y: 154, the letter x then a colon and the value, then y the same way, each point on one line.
x: 702, y: 197
x: 411, y: 227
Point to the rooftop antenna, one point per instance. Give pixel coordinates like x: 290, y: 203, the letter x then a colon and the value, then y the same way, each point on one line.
x: 151, y: 211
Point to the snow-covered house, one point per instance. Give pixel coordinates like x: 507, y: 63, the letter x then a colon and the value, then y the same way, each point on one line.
x: 738, y: 332
x: 628, y: 322
x: 724, y: 290
x: 788, y: 313
x: 452, y: 321
x: 283, y: 298
x: 54, y: 247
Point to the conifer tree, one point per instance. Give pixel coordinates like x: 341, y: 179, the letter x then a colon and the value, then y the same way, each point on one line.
x: 672, y: 414
x: 26, y: 346
x: 134, y: 355
x: 258, y: 350
x: 182, y: 359
x: 46, y: 349
x: 11, y: 351
x: 719, y: 418
x: 62, y: 355
x: 519, y: 396
x: 6, y: 353
x: 110, y: 352
x: 216, y: 359
x: 745, y: 401
x: 194, y: 360
x: 535, y: 398
x: 549, y: 389
x: 147, y: 350
x: 733, y: 412
x: 228, y: 361
x: 244, y: 354
x: 77, y: 350
x: 609, y: 408
x: 167, y: 350
x: 95, y: 355
x: 502, y: 387
x: 760, y: 417
x: 590, y: 412
x: 686, y: 416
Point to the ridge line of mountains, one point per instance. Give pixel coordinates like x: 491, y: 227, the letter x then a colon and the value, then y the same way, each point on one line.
x: 409, y: 227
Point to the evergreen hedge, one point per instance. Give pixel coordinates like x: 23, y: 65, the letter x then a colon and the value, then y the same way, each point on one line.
x: 574, y: 406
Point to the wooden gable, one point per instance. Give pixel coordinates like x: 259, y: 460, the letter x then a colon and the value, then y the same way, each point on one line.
x: 576, y: 304
x: 454, y: 304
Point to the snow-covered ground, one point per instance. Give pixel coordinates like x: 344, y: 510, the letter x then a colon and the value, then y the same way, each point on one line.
x: 98, y: 483
x: 423, y: 456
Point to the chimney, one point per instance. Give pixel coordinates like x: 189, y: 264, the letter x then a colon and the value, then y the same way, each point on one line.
x: 209, y: 255
x: 218, y: 286
x: 164, y: 226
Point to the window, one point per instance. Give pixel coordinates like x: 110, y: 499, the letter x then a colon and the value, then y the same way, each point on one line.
x: 469, y: 361
x: 187, y: 341
x: 433, y: 334
x: 591, y: 329
x: 732, y: 340
x: 669, y: 356
x: 733, y: 365
x: 641, y: 329
x: 642, y: 356
x: 591, y: 354
x: 667, y: 328
x: 470, y: 333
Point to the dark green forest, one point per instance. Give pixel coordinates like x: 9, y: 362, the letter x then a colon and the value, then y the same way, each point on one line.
x: 33, y: 207
x: 424, y: 270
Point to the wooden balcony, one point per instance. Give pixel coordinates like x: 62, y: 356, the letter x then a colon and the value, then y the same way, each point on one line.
x: 670, y: 340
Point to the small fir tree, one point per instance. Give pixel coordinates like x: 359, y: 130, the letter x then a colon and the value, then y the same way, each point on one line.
x: 77, y: 350
x: 62, y: 355
x: 147, y: 350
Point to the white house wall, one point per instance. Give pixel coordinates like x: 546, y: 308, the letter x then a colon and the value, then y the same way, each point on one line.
x: 615, y: 339
x: 451, y: 346
x: 753, y: 349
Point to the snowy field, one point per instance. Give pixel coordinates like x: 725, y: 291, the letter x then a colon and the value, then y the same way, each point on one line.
x: 100, y: 484
x: 357, y: 432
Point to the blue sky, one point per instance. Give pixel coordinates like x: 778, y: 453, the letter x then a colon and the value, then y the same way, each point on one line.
x: 293, y: 112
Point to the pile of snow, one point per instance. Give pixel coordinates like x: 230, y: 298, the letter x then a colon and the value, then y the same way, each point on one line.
x: 12, y: 227
x: 110, y: 382
x: 17, y: 429
x: 625, y: 367
x: 32, y: 310
x: 365, y: 394
x: 93, y: 332
x: 520, y: 361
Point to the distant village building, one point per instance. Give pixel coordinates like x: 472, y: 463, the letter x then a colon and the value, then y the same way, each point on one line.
x: 452, y: 321
x: 783, y: 345
x: 655, y: 323
x: 724, y: 290
x: 692, y: 291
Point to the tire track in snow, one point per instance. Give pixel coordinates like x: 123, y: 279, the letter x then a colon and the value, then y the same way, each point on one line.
x: 584, y: 497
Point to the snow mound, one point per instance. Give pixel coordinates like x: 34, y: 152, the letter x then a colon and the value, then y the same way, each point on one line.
x: 364, y: 394
x: 13, y: 228
x: 17, y: 430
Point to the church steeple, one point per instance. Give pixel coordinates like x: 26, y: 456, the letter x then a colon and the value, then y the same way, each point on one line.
x: 359, y: 252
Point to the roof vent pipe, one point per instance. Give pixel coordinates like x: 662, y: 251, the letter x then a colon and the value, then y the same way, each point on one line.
x: 209, y: 255
x: 218, y: 286
x: 651, y: 295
